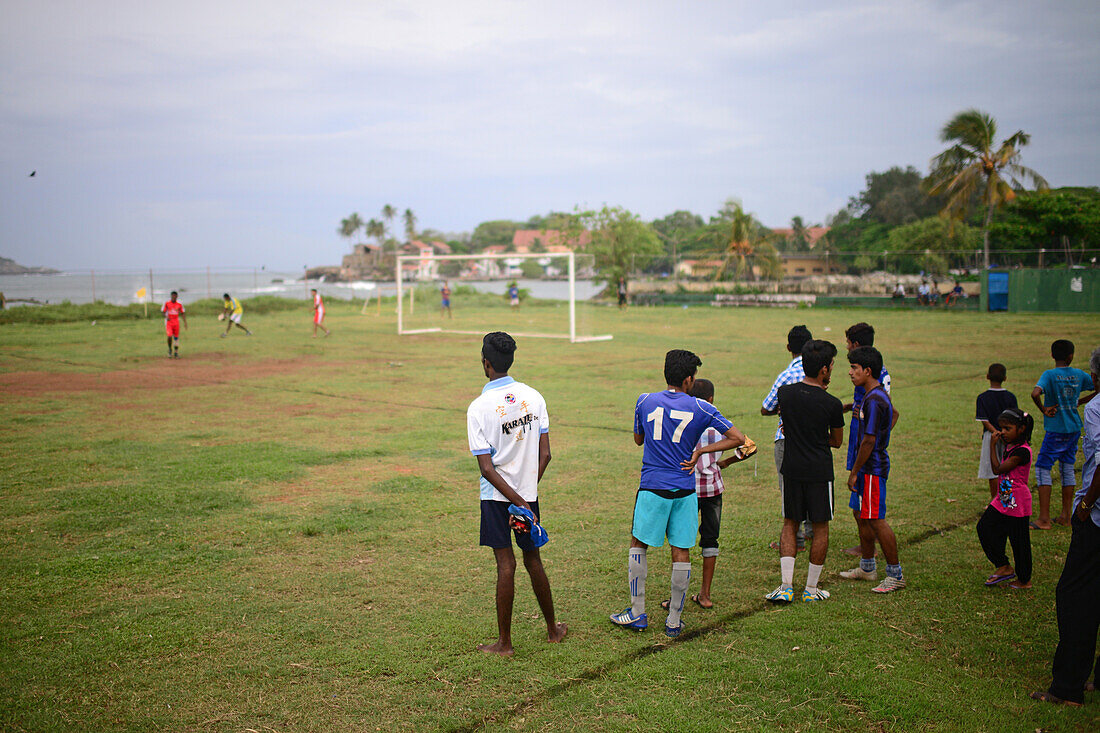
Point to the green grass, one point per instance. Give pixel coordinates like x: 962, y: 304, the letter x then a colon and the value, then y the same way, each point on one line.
x: 280, y: 533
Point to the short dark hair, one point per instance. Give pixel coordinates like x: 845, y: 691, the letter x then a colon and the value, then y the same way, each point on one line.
x: 816, y: 355
x: 797, y: 338
x: 313, y: 290
x: 996, y: 373
x: 500, y: 349
x: 1016, y: 416
x: 703, y: 389
x: 174, y: 293
x: 1061, y: 350
x: 868, y: 358
x: 225, y: 295
x: 862, y: 334
x: 679, y: 365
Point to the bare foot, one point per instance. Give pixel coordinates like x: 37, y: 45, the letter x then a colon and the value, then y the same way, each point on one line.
x: 557, y: 634
x: 1053, y: 699
x: 1064, y: 521
x: 496, y: 648
x: 1090, y: 687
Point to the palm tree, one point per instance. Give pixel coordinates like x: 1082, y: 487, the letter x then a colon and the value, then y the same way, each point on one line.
x: 376, y: 229
x: 973, y: 168
x: 350, y: 226
x: 743, y: 237
x: 410, y: 224
x: 388, y: 212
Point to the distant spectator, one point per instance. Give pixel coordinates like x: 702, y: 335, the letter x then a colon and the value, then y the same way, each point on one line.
x: 899, y: 292
x: 923, y: 293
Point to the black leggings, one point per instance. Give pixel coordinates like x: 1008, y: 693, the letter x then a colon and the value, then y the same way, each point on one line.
x: 994, y: 528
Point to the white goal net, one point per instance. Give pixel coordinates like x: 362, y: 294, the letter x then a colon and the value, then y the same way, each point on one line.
x: 535, y: 295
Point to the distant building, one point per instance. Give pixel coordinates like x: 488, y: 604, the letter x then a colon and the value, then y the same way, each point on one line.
x: 524, y: 241
x: 804, y: 264
x: 359, y: 264
x: 813, y: 234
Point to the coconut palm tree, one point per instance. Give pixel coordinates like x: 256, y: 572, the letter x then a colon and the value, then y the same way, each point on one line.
x: 743, y: 235
x: 410, y: 224
x: 972, y: 168
x: 388, y: 212
x: 350, y: 226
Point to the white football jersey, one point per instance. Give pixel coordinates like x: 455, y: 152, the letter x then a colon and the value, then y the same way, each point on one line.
x: 505, y: 422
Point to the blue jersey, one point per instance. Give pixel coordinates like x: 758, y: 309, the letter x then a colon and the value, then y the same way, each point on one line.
x: 1062, y: 386
x: 672, y: 423
x: 857, y: 398
x: 873, y: 417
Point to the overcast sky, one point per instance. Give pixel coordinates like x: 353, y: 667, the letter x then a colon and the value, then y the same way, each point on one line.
x: 240, y: 133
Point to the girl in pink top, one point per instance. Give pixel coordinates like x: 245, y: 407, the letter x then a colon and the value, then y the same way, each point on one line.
x: 1009, y: 512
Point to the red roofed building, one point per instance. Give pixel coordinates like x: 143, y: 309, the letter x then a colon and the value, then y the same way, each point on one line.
x: 552, y: 241
x: 813, y: 234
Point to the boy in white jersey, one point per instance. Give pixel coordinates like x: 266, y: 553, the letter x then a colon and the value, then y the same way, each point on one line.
x: 318, y: 312
x: 509, y: 434
x: 669, y: 424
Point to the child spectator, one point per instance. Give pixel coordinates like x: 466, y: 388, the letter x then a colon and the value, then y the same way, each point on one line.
x: 708, y: 487
x: 1060, y: 389
x: 990, y: 405
x: 1008, y: 512
x: 874, y: 420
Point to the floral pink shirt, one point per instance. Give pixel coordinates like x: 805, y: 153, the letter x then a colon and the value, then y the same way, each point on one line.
x: 1013, y: 496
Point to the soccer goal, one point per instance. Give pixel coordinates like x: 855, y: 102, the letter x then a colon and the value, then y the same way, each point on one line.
x: 553, y: 278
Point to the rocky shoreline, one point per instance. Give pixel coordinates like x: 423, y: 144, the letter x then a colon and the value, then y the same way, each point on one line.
x: 11, y: 267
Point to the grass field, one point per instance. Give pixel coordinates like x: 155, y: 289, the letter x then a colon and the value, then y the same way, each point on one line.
x: 280, y: 533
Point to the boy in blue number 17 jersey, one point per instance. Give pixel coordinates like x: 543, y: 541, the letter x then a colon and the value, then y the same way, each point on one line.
x: 668, y: 424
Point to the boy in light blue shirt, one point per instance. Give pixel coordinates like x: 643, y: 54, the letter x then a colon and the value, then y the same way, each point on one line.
x: 1057, y: 395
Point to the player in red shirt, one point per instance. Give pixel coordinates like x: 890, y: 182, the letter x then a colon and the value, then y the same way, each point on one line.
x: 318, y: 313
x: 173, y: 311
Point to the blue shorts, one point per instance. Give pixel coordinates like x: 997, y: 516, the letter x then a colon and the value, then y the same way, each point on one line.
x: 1057, y: 448
x: 656, y: 517
x: 446, y: 303
x: 868, y: 498
x: 495, y: 529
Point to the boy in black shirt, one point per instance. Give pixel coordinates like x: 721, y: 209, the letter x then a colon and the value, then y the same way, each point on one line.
x: 813, y: 422
x: 990, y: 404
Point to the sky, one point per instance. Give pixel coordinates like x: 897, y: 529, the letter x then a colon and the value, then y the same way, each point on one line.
x: 239, y: 134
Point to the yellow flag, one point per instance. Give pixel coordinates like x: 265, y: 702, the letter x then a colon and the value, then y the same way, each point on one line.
x: 140, y: 293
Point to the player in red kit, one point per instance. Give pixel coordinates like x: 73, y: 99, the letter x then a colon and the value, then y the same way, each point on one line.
x: 173, y: 311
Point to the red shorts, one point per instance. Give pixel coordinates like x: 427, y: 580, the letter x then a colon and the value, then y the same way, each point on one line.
x: 868, y: 498
x: 173, y: 328
x: 318, y: 315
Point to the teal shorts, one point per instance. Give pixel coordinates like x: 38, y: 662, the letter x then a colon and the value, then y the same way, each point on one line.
x: 656, y: 517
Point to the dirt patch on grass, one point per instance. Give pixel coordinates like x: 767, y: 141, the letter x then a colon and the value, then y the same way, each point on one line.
x: 160, y: 375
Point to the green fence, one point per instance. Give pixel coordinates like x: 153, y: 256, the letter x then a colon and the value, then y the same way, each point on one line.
x: 1051, y: 291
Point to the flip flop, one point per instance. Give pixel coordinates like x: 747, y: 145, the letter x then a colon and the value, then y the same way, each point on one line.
x: 666, y: 603
x: 1054, y: 699
x: 995, y: 579
x: 695, y: 599
x: 1033, y: 525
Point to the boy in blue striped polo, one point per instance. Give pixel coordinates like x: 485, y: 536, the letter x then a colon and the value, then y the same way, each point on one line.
x: 668, y: 424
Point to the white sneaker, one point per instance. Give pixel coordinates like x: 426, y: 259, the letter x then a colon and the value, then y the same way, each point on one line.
x: 858, y: 573
x: 815, y: 595
x: 889, y: 584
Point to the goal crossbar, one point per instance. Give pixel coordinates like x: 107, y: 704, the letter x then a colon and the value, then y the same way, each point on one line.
x: 569, y: 256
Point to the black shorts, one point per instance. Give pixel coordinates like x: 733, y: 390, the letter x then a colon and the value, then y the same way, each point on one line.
x: 495, y: 530
x: 710, y: 522
x: 811, y: 500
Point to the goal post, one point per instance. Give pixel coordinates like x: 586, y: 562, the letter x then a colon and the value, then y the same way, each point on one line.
x: 426, y: 269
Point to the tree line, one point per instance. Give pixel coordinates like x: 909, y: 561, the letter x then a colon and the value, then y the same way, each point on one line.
x: 978, y: 206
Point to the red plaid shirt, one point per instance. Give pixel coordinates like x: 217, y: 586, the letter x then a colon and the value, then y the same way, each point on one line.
x: 708, y: 477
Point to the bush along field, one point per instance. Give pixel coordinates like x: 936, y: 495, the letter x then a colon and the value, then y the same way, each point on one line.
x: 280, y: 532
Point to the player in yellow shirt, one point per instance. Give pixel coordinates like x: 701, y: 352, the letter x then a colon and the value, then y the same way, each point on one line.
x: 232, y: 312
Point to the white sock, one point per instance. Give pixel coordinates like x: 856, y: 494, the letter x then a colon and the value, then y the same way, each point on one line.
x: 636, y: 571
x: 812, y: 576
x: 681, y: 575
x: 786, y: 571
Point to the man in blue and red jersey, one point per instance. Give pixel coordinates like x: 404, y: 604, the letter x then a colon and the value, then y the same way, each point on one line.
x: 668, y: 424
x: 874, y: 420
x: 173, y: 310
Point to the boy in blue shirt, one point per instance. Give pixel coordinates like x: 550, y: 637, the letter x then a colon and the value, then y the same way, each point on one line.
x: 668, y: 424
x: 873, y: 421
x: 1060, y: 391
